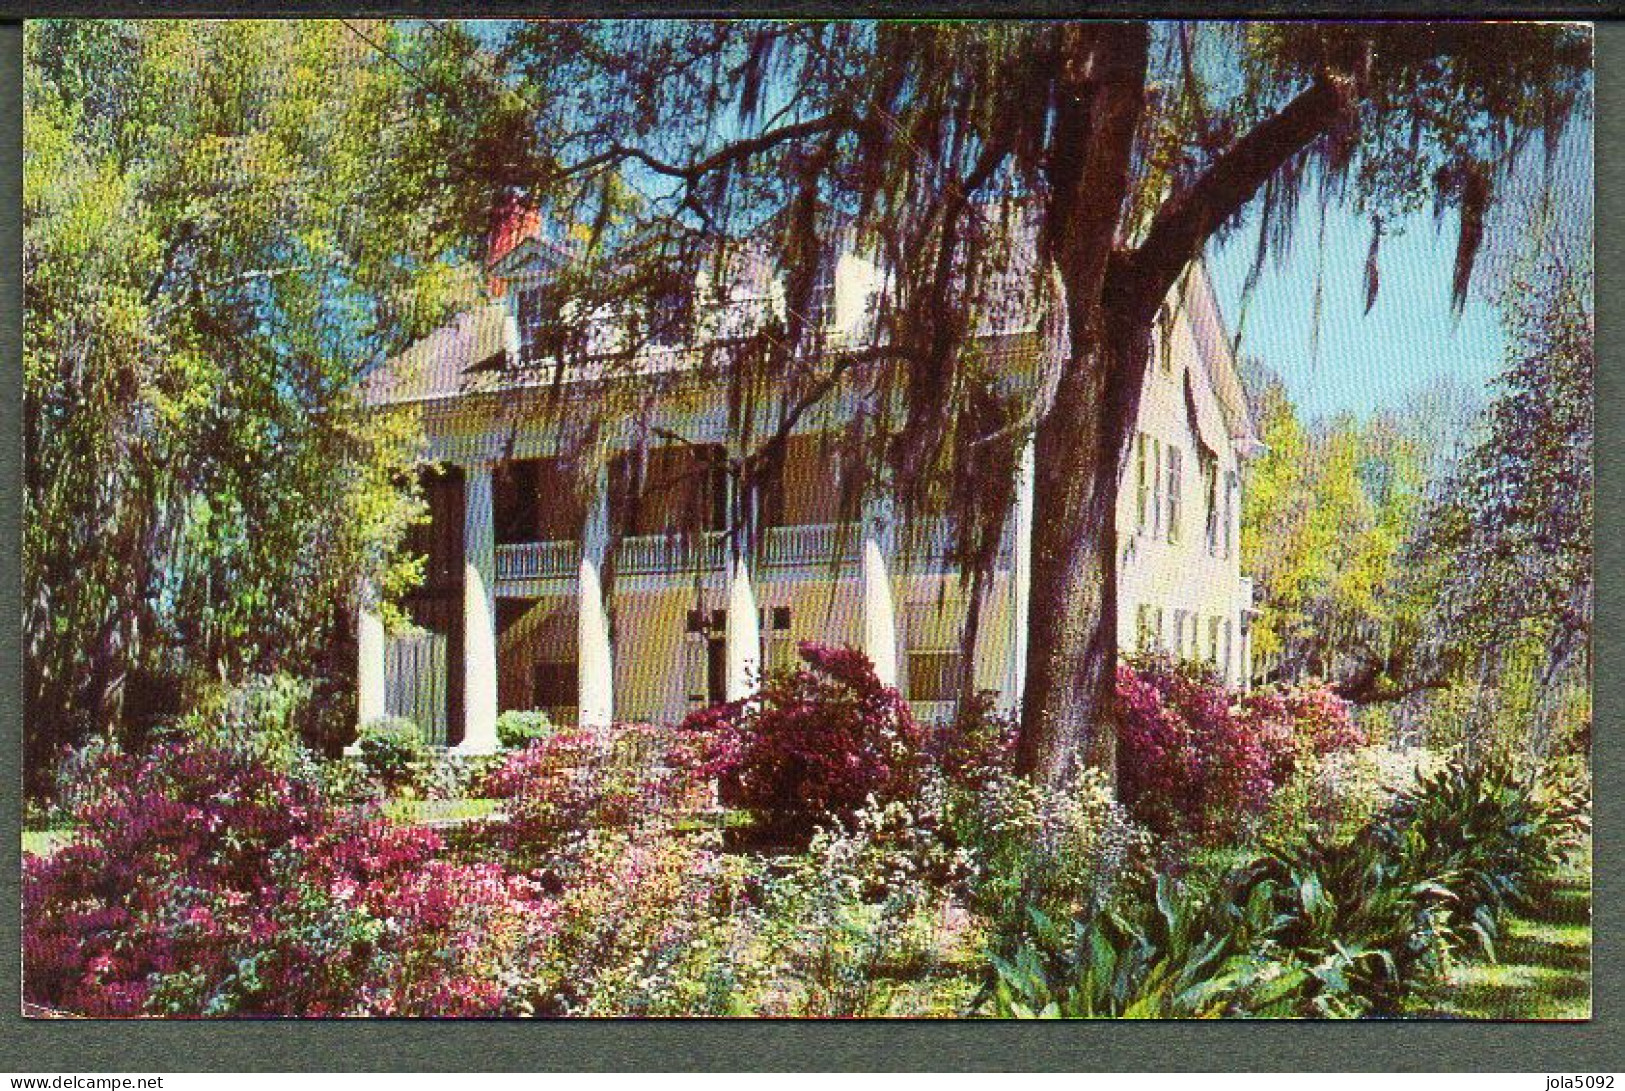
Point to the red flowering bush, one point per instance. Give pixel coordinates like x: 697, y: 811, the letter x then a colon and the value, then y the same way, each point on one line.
x: 208, y: 881
x: 1188, y: 766
x: 819, y: 740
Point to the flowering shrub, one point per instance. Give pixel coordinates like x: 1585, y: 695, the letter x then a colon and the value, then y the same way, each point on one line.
x: 181, y: 851
x: 1300, y: 723
x: 577, y: 779
x: 205, y: 881
x: 1187, y: 765
x: 822, y: 739
x: 647, y: 922
x: 1061, y: 853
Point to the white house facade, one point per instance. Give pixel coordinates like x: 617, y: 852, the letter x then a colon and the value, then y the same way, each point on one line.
x: 541, y: 591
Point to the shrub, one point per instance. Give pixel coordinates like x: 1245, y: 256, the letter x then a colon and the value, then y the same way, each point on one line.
x: 1297, y: 724
x: 817, y: 741
x: 178, y: 855
x: 1485, y: 829
x: 517, y: 730
x: 1061, y: 853
x: 646, y: 923
x: 204, y: 881
x: 1187, y: 766
x: 392, y: 751
x: 576, y: 779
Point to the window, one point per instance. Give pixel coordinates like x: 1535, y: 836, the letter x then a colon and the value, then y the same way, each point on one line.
x: 541, y: 326
x: 1213, y: 640
x: 1179, y: 634
x: 1229, y: 648
x: 1156, y: 487
x: 1156, y: 628
x: 1142, y: 624
x: 1209, y: 464
x: 554, y: 685
x: 1160, y: 345
x: 1142, y: 480
x: 933, y: 675
x: 780, y: 652
x: 1230, y: 488
x: 705, y: 658
x: 1176, y: 485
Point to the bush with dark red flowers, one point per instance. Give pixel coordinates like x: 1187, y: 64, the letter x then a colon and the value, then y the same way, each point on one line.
x: 816, y: 741
x: 1198, y: 762
x: 1188, y: 767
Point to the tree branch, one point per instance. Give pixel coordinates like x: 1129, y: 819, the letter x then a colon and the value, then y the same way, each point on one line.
x: 1184, y: 222
x: 731, y: 153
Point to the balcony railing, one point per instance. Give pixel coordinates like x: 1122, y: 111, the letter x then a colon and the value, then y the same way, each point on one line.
x: 810, y: 544
x: 538, y: 560
x: 655, y: 553
x: 804, y: 546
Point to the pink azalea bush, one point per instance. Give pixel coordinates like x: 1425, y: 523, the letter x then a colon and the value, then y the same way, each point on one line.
x: 1196, y: 762
x: 1188, y: 767
x: 818, y: 740
x: 1300, y: 723
x: 206, y: 881
x: 577, y: 779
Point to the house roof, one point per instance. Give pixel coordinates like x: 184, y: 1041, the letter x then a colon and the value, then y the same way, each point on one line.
x: 463, y: 357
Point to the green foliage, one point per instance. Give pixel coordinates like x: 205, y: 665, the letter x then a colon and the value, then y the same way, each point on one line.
x: 516, y: 729
x: 214, y: 250
x: 1516, y: 520
x: 1312, y: 925
x: 392, y: 751
x: 1328, y: 517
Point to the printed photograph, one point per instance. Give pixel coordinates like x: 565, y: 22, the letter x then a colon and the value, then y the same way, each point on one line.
x: 815, y: 519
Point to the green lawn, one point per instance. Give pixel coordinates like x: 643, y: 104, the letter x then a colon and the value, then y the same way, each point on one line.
x: 1544, y: 966
x: 45, y: 842
x: 440, y: 812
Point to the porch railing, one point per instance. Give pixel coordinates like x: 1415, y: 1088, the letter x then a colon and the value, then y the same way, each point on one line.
x: 538, y: 560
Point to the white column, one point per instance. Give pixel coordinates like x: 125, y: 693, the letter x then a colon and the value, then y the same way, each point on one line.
x: 369, y: 673
x: 479, y: 615
x: 595, y: 663
x: 743, y: 634
x: 879, y: 608
x: 1021, y: 575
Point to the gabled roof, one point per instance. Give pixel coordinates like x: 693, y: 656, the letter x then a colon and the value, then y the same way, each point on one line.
x: 1213, y: 345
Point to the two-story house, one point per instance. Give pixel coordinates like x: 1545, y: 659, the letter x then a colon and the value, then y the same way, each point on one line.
x: 521, y: 541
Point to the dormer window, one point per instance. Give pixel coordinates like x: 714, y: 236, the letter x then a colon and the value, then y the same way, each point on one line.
x: 821, y: 298
x: 541, y: 325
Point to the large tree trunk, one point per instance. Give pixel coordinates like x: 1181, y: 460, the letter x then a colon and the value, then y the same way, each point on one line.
x: 1110, y: 298
x: 1072, y: 641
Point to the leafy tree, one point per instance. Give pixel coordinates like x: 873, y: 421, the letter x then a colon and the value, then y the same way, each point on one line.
x: 1121, y: 147
x: 1516, y: 519
x: 211, y: 257
x: 1331, y: 519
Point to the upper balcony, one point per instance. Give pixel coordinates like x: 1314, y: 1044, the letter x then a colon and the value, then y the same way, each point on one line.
x: 812, y: 549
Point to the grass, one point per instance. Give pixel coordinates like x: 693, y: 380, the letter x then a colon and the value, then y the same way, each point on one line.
x: 1543, y: 964
x: 45, y: 842
x: 441, y: 812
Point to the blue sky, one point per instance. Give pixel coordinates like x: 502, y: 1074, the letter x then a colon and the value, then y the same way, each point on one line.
x: 1410, y: 341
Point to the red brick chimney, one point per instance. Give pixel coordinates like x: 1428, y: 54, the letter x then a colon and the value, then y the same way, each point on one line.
x: 513, y: 221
